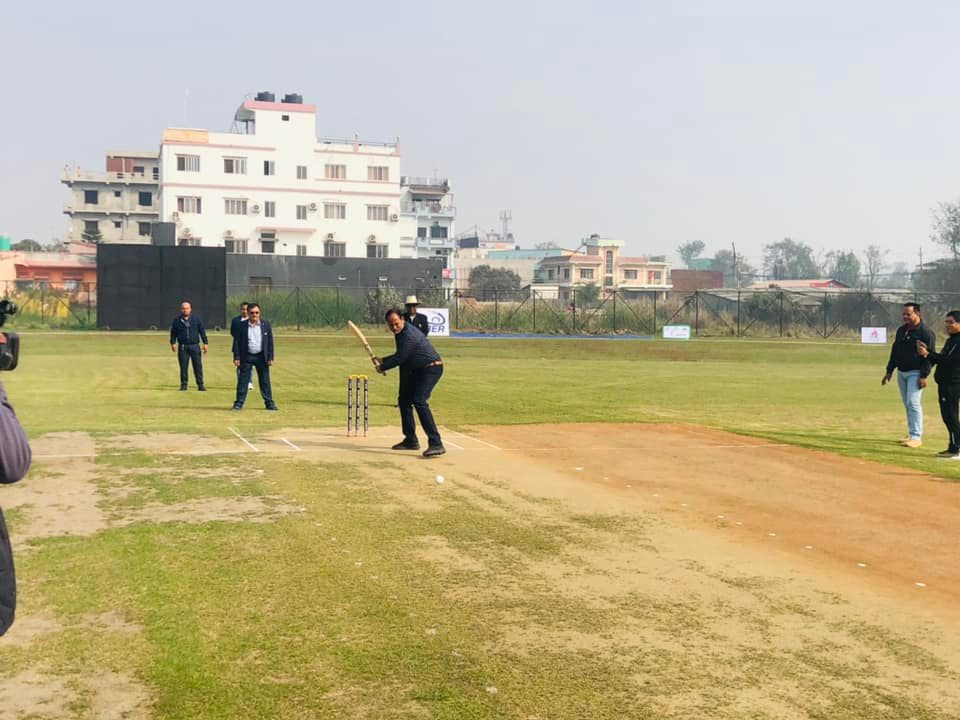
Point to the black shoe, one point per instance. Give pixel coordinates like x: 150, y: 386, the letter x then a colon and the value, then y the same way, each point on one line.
x: 183, y: 388
x: 237, y: 407
x: 202, y: 388
x: 274, y: 408
x: 406, y: 446
x: 434, y: 451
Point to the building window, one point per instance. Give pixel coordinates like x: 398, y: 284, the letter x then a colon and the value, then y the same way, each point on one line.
x: 156, y: 173
x: 566, y: 273
x: 629, y: 274
x: 139, y: 170
x: 117, y: 193
x: 550, y: 274
x: 91, y: 226
x: 143, y: 229
x: 653, y: 277
x: 301, y: 212
x: 378, y: 173
x: 285, y: 118
x: 235, y: 166
x: 377, y: 251
x: 334, y: 249
x: 437, y: 231
x: 188, y: 242
x: 269, y: 209
x: 260, y: 284
x: 268, y: 167
x: 117, y: 224
x: 267, y: 246
x: 235, y: 246
x: 301, y: 172
x: 189, y: 205
x: 421, y: 232
x: 609, y: 261
x: 377, y: 212
x: 334, y: 211
x: 586, y: 273
x: 607, y: 280
x: 91, y: 197
x: 301, y: 250
x: 145, y: 199
x: 188, y: 163
x: 335, y: 172
x: 234, y: 206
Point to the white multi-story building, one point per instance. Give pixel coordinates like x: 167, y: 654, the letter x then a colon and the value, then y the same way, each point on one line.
x: 118, y: 205
x: 270, y: 186
x: 428, y: 203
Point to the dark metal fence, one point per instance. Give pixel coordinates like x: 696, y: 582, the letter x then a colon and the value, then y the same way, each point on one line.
x: 709, y: 313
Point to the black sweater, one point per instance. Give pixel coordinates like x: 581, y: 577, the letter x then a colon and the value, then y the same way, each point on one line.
x: 903, y: 354
x: 947, y: 362
x: 414, y: 351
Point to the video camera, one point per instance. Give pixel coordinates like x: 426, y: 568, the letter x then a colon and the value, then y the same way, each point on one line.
x: 9, y: 342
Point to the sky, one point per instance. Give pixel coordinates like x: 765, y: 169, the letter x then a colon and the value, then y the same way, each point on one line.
x: 736, y: 122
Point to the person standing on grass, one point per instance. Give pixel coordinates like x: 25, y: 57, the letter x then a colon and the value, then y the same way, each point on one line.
x: 417, y: 357
x: 912, y: 369
x: 235, y: 326
x: 187, y: 332
x: 253, y: 348
x: 417, y: 319
x: 948, y: 381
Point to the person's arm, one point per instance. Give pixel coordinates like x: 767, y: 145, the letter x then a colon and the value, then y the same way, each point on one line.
x: 406, y: 346
x: 892, y: 362
x: 426, y: 326
x: 15, y: 453
x: 268, y: 339
x: 931, y: 342
x: 203, y: 333
x: 173, y: 334
x: 235, y: 348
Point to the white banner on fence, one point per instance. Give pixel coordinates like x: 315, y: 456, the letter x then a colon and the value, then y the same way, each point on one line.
x: 439, y: 319
x: 873, y: 335
x: 676, y: 332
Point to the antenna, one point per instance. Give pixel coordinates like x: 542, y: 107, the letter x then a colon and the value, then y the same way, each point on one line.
x: 505, y: 217
x: 736, y: 268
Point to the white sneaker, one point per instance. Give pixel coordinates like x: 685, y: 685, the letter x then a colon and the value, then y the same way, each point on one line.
x: 250, y: 386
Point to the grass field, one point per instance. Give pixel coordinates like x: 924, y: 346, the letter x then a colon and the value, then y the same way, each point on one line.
x: 344, y: 583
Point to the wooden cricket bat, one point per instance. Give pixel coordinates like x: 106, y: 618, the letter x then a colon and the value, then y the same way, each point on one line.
x: 363, y: 338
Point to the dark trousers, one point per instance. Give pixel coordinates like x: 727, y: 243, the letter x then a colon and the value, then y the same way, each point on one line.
x: 8, y: 582
x: 415, y: 389
x: 949, y: 397
x: 263, y: 379
x: 186, y: 355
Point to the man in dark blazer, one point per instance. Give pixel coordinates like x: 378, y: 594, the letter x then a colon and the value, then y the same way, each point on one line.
x: 417, y: 319
x: 188, y: 336
x: 235, y: 326
x: 253, y: 348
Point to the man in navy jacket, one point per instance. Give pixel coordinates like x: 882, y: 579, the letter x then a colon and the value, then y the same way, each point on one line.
x: 253, y: 348
x: 187, y: 332
x: 14, y: 463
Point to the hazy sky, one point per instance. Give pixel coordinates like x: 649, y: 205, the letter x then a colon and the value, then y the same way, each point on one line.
x: 835, y: 123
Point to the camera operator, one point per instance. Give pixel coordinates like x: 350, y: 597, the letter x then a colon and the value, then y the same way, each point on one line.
x: 14, y: 463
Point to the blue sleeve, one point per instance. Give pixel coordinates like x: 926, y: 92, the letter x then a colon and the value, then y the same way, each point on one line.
x: 200, y: 329
x: 173, y: 333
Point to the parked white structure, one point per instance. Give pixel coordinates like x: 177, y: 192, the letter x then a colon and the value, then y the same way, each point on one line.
x: 270, y: 186
x: 116, y: 205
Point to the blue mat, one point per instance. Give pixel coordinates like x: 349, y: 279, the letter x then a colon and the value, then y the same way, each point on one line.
x: 538, y: 336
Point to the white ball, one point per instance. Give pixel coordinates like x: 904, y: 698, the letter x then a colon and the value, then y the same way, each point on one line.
x: 439, y: 479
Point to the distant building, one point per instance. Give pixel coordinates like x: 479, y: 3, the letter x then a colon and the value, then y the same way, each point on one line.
x: 270, y: 186
x: 72, y: 269
x: 812, y: 284
x: 523, y: 262
x: 116, y: 205
x: 691, y: 280
x: 604, y: 266
x: 428, y: 203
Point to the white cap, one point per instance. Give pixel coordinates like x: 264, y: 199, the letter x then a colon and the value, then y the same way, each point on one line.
x: 411, y: 300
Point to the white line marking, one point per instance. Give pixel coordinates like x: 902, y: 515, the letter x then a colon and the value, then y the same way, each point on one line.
x: 920, y: 585
x: 290, y: 444
x: 452, y: 444
x: 244, y: 440
x: 471, y: 437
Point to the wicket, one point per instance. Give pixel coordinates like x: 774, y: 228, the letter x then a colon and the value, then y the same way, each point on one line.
x: 356, y: 383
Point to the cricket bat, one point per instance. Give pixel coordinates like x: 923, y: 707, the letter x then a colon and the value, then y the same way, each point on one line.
x: 363, y: 338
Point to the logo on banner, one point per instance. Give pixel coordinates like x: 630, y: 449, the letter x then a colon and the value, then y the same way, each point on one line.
x: 873, y: 335
x: 439, y: 320
x: 676, y: 332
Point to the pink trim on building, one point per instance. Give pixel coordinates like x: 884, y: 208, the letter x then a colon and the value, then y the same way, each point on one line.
x: 214, y: 145
x: 280, y: 107
x: 259, y: 188
x: 395, y: 153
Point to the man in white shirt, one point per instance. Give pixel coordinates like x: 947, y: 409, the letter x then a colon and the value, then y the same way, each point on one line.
x: 253, y: 348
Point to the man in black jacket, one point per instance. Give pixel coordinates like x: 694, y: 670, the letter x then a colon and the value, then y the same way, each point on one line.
x: 948, y: 381
x: 235, y: 329
x: 253, y: 348
x: 417, y: 319
x: 14, y: 463
x: 912, y: 370
x: 416, y: 356
x: 187, y: 332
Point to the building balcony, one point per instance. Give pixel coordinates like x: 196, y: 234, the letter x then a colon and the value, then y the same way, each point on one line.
x: 72, y: 175
x: 427, y: 209
x: 73, y: 208
x: 433, y: 243
x: 433, y: 185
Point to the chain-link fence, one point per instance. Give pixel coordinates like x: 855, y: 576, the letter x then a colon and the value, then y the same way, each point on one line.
x: 70, y: 304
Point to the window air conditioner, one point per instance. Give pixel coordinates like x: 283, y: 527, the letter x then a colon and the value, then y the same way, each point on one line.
x: 394, y: 217
x: 312, y: 207
x: 255, y: 209
x: 329, y: 236
x: 175, y: 215
x: 228, y: 233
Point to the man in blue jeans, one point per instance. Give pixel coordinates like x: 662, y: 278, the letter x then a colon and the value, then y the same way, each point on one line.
x: 912, y: 369
x: 422, y: 369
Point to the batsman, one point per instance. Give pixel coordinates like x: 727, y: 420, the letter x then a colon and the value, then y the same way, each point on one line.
x: 421, y: 369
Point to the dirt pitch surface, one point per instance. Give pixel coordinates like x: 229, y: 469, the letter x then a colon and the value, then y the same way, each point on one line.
x: 834, y: 540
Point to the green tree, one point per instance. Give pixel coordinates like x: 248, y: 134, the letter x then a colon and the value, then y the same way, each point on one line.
x: 843, y: 266
x: 587, y: 295
x: 690, y: 250
x: 734, y: 274
x: 790, y: 260
x: 27, y: 245
x: 487, y: 282
x: 946, y: 228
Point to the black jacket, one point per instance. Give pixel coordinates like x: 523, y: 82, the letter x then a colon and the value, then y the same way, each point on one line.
x: 235, y: 325
x: 903, y: 354
x: 414, y: 351
x: 187, y: 333
x: 419, y: 321
x: 14, y: 463
x: 947, y: 362
x: 240, y: 344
